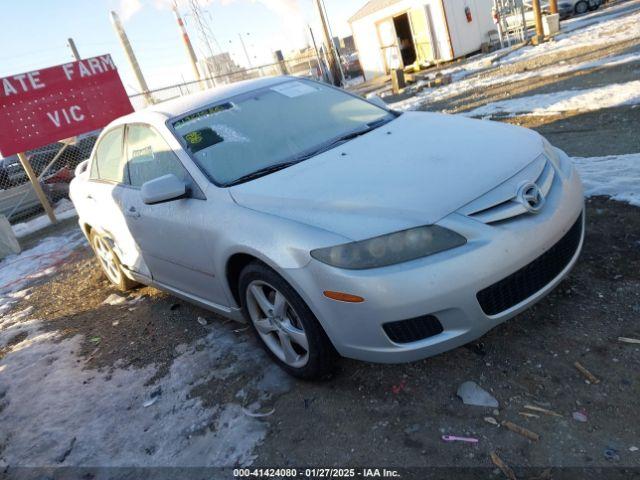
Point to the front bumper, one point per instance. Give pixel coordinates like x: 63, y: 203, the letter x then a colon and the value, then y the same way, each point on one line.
x: 444, y: 285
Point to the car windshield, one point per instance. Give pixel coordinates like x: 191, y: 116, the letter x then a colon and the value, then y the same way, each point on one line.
x: 266, y: 129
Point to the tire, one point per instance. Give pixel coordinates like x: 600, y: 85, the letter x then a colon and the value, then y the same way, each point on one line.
x: 109, y: 262
x: 594, y: 5
x: 581, y: 7
x: 281, y: 331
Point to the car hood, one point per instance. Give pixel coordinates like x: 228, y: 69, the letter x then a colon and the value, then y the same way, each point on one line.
x: 412, y: 171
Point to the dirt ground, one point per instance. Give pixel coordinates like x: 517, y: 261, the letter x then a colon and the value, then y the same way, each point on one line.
x: 394, y: 415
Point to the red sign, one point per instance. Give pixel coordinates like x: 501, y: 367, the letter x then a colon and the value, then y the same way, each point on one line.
x: 44, y: 106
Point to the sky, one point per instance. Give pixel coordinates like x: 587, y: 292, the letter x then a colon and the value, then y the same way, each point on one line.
x: 34, y: 32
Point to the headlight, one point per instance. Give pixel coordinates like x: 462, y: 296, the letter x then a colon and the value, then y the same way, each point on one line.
x: 558, y: 158
x: 390, y: 249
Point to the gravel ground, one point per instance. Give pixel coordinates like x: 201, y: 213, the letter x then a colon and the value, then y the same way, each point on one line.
x: 394, y: 415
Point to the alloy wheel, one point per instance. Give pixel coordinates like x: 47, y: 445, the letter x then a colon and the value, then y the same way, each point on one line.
x: 277, y: 323
x: 107, y: 259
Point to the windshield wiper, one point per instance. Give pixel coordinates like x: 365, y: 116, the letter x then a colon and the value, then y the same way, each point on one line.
x: 327, y: 146
x: 344, y: 138
x: 361, y: 131
x: 261, y: 172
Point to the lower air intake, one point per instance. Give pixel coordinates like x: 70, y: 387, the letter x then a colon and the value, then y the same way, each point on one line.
x: 412, y: 330
x: 533, y: 277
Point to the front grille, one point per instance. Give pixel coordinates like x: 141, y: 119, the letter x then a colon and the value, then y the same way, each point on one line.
x: 412, y: 330
x: 533, y: 277
x: 501, y: 204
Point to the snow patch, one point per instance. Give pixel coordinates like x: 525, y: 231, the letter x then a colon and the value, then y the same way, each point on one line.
x: 16, y: 271
x: 612, y: 29
x: 617, y: 176
x: 63, y: 209
x: 57, y: 413
x: 432, y: 95
x: 614, y: 95
x: 114, y: 299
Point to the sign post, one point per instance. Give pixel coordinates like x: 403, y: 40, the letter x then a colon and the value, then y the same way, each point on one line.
x: 41, y: 107
x: 37, y: 187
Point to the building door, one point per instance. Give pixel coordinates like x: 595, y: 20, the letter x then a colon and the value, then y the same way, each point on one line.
x: 422, y: 38
x: 405, y: 39
x: 389, y: 45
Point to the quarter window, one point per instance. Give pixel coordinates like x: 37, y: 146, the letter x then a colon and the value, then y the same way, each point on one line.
x: 108, y: 162
x: 150, y: 157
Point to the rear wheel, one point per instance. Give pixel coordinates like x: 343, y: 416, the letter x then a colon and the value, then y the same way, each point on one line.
x: 284, y: 324
x: 110, y: 263
x: 581, y: 7
x: 594, y: 4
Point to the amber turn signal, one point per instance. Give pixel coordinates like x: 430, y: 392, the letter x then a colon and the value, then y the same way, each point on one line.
x: 343, y: 297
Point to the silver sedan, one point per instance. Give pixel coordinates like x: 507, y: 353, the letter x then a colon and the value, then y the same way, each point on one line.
x: 331, y: 224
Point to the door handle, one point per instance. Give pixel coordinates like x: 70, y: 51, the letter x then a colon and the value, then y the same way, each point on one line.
x: 132, y: 212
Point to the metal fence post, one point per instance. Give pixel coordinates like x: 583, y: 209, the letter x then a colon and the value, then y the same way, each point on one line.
x: 36, y: 186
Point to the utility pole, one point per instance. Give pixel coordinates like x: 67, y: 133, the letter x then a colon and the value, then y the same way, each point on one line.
x: 246, y: 53
x: 553, y: 6
x: 188, y: 46
x: 74, y: 50
x: 537, y: 13
x: 321, y: 65
x: 336, y: 50
x: 133, y: 61
x: 328, y: 41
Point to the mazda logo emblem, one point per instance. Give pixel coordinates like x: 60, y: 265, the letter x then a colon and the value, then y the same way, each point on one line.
x: 530, y: 197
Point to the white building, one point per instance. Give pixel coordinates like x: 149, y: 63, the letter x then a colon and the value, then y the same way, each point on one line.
x: 393, y: 34
x: 220, y: 65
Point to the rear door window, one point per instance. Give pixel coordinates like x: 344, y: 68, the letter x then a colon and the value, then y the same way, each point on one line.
x: 150, y: 157
x: 108, y: 163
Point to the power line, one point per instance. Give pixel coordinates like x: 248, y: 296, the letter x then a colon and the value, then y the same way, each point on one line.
x: 206, y: 36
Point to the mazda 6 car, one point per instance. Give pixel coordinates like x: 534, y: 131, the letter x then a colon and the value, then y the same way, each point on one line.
x: 331, y: 224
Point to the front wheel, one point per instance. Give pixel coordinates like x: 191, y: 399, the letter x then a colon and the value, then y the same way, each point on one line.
x: 110, y: 263
x: 284, y: 324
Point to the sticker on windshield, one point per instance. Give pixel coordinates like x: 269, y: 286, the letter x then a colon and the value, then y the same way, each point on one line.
x: 200, y: 139
x: 204, y: 113
x: 294, y: 89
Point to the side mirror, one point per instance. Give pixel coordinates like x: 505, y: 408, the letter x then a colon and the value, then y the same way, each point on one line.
x: 162, y: 189
x: 376, y: 100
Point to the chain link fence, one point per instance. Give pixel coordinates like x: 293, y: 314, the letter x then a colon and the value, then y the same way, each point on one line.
x: 306, y: 66
x: 54, y: 167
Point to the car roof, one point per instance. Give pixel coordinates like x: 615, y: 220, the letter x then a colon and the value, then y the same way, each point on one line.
x: 182, y: 105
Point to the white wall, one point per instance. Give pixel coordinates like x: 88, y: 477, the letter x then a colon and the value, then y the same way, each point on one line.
x: 485, y: 19
x: 467, y: 36
x: 365, y: 34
